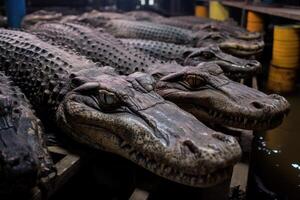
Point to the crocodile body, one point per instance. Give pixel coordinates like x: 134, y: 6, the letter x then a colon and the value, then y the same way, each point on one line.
x: 176, y: 82
x: 200, y: 20
x: 232, y: 66
x: 39, y: 16
x: 23, y: 154
x: 94, y: 18
x: 143, y: 15
x: 198, y: 23
x: 118, y: 114
x: 233, y: 30
x: 150, y: 31
x: 172, y: 22
x: 171, y: 34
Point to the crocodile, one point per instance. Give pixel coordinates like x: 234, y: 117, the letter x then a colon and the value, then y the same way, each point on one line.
x: 23, y: 154
x: 41, y: 15
x: 228, y: 26
x: 231, y: 103
x: 233, y: 67
x: 94, y: 18
x: 141, y: 15
x: 201, y: 20
x: 233, y: 30
x: 117, y: 114
x: 165, y: 33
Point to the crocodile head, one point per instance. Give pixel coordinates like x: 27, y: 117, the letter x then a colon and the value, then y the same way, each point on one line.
x: 208, y: 94
x: 233, y: 31
x: 233, y: 67
x: 228, y: 44
x: 18, y: 160
x: 123, y: 115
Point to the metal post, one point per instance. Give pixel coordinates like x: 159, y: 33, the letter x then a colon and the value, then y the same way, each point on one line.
x: 15, y: 11
x: 244, y: 18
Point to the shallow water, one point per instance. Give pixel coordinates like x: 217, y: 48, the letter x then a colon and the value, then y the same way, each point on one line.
x: 276, y: 159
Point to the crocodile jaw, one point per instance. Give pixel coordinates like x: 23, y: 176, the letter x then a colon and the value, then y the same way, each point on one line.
x: 242, y: 48
x: 219, y: 100
x: 162, y: 139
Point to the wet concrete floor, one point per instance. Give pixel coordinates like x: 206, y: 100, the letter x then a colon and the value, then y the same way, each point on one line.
x: 275, y: 168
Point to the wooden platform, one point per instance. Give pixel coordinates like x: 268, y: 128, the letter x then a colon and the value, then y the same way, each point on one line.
x: 290, y: 13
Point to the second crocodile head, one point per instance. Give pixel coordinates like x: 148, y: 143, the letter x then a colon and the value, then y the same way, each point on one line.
x: 207, y: 93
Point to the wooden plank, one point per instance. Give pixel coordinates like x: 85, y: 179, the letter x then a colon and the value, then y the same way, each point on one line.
x: 240, y: 176
x: 57, y: 150
x: 290, y: 13
x: 254, y: 82
x: 66, y: 168
x: 139, y: 194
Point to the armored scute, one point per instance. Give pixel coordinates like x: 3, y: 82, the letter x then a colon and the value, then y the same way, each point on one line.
x: 118, y: 114
x: 202, y: 90
x: 24, y: 158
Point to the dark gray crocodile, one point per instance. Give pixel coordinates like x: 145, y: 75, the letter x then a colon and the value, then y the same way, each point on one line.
x: 202, y: 90
x: 118, y: 114
x: 171, y: 34
x: 215, y: 26
x: 23, y: 155
x: 141, y: 15
x: 39, y: 16
x: 233, y: 67
x: 232, y: 30
x: 94, y: 18
x: 201, y: 20
x: 200, y: 23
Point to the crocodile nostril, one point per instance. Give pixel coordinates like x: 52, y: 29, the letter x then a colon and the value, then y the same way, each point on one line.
x: 191, y: 146
x: 254, y: 64
x: 222, y: 137
x: 257, y: 105
x: 276, y: 97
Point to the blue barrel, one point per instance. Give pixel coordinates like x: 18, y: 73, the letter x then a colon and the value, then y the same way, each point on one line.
x: 15, y: 11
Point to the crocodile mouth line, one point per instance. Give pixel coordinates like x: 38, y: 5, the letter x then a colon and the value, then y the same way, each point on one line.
x: 245, y: 122
x: 240, y: 121
x: 168, y: 172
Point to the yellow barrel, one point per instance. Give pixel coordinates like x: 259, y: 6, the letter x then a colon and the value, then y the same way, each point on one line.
x: 254, y: 17
x: 281, y: 80
x: 201, y: 11
x: 286, y: 61
x: 287, y: 33
x: 286, y: 46
x: 254, y: 22
x: 218, y: 11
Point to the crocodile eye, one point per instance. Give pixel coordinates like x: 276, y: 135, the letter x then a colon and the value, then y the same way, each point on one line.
x: 207, y: 55
x: 216, y: 37
x: 194, y: 81
x: 109, y: 99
